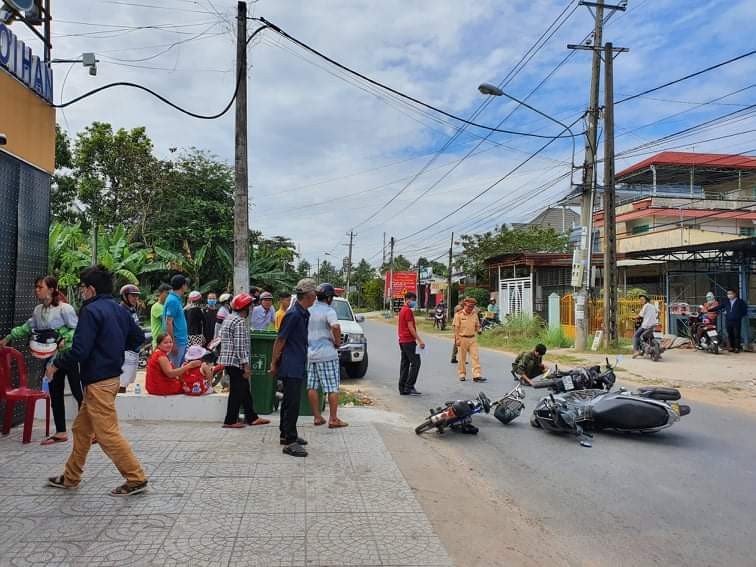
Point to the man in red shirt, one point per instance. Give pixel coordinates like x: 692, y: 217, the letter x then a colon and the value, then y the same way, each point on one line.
x: 409, y: 340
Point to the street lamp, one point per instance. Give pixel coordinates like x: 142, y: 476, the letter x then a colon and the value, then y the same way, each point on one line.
x: 87, y: 60
x: 493, y: 90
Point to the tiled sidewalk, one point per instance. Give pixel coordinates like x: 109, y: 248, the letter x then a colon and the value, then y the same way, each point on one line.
x: 216, y: 497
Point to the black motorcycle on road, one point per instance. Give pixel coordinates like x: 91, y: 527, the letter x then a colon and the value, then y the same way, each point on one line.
x: 570, y: 408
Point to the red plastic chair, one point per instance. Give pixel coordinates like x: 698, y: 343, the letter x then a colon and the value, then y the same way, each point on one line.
x: 21, y: 394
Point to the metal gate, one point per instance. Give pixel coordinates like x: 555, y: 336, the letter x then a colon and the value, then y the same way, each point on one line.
x: 516, y: 296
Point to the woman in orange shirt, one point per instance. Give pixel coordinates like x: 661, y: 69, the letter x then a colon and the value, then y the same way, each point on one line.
x: 162, y: 378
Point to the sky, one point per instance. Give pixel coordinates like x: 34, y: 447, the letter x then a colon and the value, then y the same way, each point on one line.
x: 327, y: 151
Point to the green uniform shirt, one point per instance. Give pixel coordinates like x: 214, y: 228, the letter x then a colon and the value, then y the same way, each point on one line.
x: 529, y: 364
x: 156, y: 322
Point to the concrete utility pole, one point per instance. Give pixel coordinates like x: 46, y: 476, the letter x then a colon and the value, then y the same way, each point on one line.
x: 449, y: 307
x: 610, y: 226
x: 383, y: 255
x: 391, y: 274
x: 349, y: 263
x: 241, y: 190
x: 586, y: 206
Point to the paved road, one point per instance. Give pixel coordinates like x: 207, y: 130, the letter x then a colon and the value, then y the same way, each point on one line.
x: 685, y: 496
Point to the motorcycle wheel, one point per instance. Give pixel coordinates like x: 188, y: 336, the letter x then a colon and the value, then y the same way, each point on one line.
x: 423, y: 427
x: 656, y: 353
x: 715, y: 348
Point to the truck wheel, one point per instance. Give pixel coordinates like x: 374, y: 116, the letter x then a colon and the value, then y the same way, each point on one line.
x: 359, y: 369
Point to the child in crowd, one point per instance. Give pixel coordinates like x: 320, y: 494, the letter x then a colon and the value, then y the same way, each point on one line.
x: 199, y: 381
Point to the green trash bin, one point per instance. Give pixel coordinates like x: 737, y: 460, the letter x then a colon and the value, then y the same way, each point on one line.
x: 304, y: 402
x: 262, y: 384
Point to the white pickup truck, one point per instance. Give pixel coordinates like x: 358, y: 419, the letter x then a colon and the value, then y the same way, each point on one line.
x: 353, y: 352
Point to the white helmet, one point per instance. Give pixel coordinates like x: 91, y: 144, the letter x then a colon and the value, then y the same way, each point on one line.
x: 224, y: 298
x: 710, y: 296
x: 43, y: 344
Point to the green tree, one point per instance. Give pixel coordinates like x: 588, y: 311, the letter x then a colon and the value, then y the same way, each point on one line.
x: 481, y: 296
x: 401, y: 264
x: 63, y: 190
x: 303, y: 269
x: 117, y: 175
x: 373, y: 294
x: 328, y: 273
x: 477, y: 248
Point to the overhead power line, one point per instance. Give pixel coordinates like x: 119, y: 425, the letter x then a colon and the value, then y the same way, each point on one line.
x: 686, y: 77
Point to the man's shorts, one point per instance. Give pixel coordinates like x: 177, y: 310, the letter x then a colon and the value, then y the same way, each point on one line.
x: 129, y: 368
x: 324, y: 375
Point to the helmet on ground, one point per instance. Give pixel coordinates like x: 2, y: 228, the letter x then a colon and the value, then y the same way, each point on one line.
x: 224, y: 298
x: 241, y: 301
x: 325, y: 290
x: 195, y: 296
x: 129, y: 289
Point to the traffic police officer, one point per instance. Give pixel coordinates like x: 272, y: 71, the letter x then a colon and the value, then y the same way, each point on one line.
x: 466, y: 329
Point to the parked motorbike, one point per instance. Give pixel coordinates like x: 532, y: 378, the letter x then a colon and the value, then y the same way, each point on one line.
x: 509, y: 407
x: 439, y: 317
x: 457, y: 415
x: 709, y: 340
x: 146, y: 350
x: 650, y: 346
x: 580, y: 411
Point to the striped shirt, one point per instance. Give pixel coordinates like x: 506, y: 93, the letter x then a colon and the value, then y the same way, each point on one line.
x: 234, y: 335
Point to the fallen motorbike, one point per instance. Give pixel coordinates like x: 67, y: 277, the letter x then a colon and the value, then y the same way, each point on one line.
x: 578, y: 411
x: 457, y: 415
x: 509, y: 406
x: 439, y: 317
x: 709, y: 340
x: 650, y: 345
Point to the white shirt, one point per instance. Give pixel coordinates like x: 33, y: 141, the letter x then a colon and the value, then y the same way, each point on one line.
x: 650, y: 316
x: 319, y: 336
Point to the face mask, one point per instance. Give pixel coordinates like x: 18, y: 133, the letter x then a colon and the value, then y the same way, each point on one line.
x: 412, y: 304
x: 212, y: 301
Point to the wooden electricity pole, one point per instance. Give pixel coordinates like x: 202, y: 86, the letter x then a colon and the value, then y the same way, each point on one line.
x: 391, y: 275
x: 610, y: 226
x: 241, y: 190
x: 586, y: 204
x: 349, y: 263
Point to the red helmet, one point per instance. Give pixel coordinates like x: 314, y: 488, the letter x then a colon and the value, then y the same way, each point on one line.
x: 241, y: 301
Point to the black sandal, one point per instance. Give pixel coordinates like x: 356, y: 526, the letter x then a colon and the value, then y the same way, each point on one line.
x: 60, y: 482
x: 295, y: 450
x: 127, y: 489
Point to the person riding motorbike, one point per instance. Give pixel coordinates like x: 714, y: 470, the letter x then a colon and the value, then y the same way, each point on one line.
x: 708, y: 311
x: 439, y: 316
x: 529, y: 365
x: 649, y: 317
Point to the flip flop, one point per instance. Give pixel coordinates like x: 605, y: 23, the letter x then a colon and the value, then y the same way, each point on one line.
x: 233, y: 426
x: 320, y: 421
x: 336, y: 424
x: 259, y: 421
x: 52, y: 440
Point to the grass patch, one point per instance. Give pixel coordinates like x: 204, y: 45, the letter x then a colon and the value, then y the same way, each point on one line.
x: 353, y: 398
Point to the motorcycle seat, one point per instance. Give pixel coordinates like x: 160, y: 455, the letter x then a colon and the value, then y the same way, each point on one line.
x: 662, y: 394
